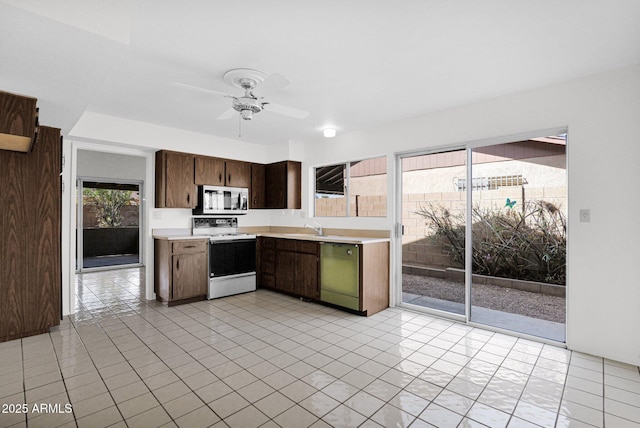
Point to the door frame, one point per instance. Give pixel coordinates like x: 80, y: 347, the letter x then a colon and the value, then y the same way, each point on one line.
x: 468, y: 147
x: 80, y: 227
x: 70, y: 149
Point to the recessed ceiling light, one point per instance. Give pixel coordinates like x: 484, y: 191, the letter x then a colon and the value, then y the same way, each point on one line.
x: 329, y: 132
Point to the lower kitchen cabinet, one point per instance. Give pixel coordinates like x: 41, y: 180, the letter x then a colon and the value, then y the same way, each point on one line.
x: 266, y: 262
x: 289, y: 266
x: 293, y: 267
x: 181, y: 270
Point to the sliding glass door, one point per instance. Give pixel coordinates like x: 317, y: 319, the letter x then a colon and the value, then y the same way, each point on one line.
x: 519, y: 200
x: 497, y: 212
x: 433, y: 239
x: 109, y: 219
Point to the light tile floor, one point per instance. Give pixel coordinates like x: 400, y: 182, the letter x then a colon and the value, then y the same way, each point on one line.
x: 264, y: 359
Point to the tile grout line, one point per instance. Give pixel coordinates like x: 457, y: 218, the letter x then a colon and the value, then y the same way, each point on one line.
x: 133, y: 368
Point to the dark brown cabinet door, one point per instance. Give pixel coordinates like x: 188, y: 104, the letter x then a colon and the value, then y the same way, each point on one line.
x: 13, y: 243
x: 306, y: 282
x: 43, y: 233
x: 238, y: 174
x: 30, y: 221
x: 179, y: 182
x: 286, y: 264
x: 209, y: 171
x: 189, y: 275
x: 283, y: 187
x: 257, y: 190
x: 276, y: 185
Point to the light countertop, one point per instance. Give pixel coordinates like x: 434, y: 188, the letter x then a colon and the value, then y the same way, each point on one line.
x: 339, y: 239
x: 176, y: 234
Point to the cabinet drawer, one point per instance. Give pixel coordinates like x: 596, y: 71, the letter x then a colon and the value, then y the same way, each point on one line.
x: 286, y: 244
x: 309, y: 247
x: 189, y: 246
x: 268, y: 242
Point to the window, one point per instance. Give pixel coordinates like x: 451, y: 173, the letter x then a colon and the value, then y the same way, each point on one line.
x: 362, y: 183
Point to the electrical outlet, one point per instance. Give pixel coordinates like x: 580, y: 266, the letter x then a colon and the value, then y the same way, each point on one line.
x: 157, y: 215
x: 303, y: 214
x: 585, y: 216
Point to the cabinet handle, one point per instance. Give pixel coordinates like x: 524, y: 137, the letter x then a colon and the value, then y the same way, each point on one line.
x: 188, y: 198
x: 189, y: 246
x: 229, y: 178
x: 220, y: 177
x: 178, y: 264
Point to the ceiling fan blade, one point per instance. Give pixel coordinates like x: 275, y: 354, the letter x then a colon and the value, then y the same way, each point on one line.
x: 273, y: 83
x: 199, y: 89
x: 227, y: 114
x: 286, y: 110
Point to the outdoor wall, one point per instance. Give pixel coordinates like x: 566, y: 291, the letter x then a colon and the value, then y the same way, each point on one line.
x: 418, y: 246
x: 601, y: 114
x: 129, y: 212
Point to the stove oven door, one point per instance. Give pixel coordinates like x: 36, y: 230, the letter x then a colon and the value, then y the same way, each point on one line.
x: 232, y: 257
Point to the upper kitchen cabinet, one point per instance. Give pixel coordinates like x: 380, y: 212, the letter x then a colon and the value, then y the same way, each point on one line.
x: 257, y: 189
x: 222, y: 172
x: 175, y: 180
x: 18, y: 122
x: 283, y: 185
x: 238, y: 173
x: 210, y: 171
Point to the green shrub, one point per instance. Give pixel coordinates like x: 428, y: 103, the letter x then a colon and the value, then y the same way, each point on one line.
x: 528, y: 244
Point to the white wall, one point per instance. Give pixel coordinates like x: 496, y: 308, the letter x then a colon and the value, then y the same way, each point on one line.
x: 602, y: 115
x: 110, y: 165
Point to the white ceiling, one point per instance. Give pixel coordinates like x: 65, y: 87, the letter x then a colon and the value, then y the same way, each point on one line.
x: 352, y: 64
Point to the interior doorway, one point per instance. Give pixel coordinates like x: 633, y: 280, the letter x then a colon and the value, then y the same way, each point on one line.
x: 484, y: 233
x: 109, y: 224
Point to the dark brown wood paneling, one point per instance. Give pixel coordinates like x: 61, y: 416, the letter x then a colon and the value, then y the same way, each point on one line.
x: 30, y: 276
x: 161, y: 179
x: 42, y: 304
x: 13, y: 242
x: 294, y: 185
x: 17, y: 122
x: 374, y: 274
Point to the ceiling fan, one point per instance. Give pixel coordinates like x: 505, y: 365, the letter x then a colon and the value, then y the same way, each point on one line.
x: 249, y: 104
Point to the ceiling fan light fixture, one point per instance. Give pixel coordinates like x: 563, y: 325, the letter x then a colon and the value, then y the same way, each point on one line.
x: 246, y: 114
x: 329, y: 132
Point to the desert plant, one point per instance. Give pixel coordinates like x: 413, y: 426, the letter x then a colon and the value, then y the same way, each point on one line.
x: 527, y: 244
x: 108, y: 204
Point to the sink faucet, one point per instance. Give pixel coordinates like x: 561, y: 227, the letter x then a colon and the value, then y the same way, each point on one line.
x: 317, y: 228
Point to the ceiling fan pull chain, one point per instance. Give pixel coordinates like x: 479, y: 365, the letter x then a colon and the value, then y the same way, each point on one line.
x: 239, y: 126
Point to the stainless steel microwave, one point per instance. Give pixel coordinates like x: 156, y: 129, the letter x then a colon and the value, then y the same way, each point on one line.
x: 222, y: 200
